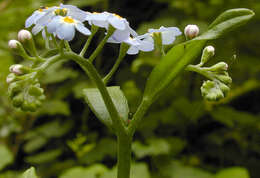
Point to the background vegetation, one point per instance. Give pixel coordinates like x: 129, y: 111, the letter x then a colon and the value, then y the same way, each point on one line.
x: 182, y: 136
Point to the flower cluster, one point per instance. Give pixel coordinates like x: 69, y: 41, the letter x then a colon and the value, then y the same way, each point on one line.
x: 62, y: 21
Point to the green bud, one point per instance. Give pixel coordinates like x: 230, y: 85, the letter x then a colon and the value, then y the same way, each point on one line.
x: 224, y: 88
x: 29, y: 106
x: 210, y: 91
x: 219, y: 67
x: 35, y: 90
x: 18, y: 100
x: 13, y: 89
x: 207, y: 53
x: 225, y: 78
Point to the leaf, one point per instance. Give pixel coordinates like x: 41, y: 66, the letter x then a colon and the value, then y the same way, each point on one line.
x: 154, y: 147
x: 44, y: 157
x: 227, y: 21
x: 30, y: 173
x: 177, y: 170
x: 174, y: 62
x: 82, y: 172
x: 5, y: 155
x: 53, y: 107
x: 97, y: 105
x: 170, y: 66
x: 236, y: 172
x: 138, y: 170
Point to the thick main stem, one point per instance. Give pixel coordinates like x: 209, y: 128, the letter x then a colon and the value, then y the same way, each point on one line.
x: 124, y: 143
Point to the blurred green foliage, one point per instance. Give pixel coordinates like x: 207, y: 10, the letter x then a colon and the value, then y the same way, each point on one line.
x: 182, y: 136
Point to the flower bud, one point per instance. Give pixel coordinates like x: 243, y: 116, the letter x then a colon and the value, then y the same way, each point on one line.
x: 24, y: 35
x: 191, y: 31
x: 19, y: 69
x: 226, y: 79
x: 10, y: 78
x: 208, y: 52
x: 219, y: 67
x: 211, y: 91
x: 13, y: 44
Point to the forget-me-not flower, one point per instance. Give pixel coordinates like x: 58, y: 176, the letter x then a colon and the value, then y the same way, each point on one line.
x: 64, y: 27
x: 104, y: 19
x: 168, y: 34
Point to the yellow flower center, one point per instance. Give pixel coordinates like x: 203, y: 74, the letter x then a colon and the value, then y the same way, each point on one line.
x: 42, y: 8
x: 118, y: 16
x: 68, y: 20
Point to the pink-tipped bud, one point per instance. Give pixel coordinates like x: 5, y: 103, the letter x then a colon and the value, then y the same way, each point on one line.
x: 191, y: 31
x: 24, y: 35
x: 13, y: 44
x: 16, y: 69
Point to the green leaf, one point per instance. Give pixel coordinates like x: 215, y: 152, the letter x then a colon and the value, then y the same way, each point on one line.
x: 174, y: 62
x: 44, y: 157
x: 30, y: 173
x: 236, y: 172
x: 226, y: 22
x: 178, y: 170
x: 154, y: 147
x: 6, y: 156
x: 97, y: 105
x: 83, y: 172
x: 170, y: 66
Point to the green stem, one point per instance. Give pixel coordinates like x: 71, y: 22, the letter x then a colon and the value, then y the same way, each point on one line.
x: 95, y: 77
x: 94, y: 30
x: 138, y: 116
x: 54, y: 41
x: 199, y: 70
x: 124, y: 143
x: 101, y: 44
x: 123, y: 49
x: 67, y: 46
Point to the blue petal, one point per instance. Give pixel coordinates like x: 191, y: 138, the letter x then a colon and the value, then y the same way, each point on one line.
x: 133, y: 50
x: 117, y: 22
x: 66, y: 31
x: 81, y: 28
x: 52, y: 26
x: 121, y: 35
x: 37, y: 28
x: 30, y: 20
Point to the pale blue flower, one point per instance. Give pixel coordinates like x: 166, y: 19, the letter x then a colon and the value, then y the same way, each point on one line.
x: 104, y: 19
x: 64, y: 27
x: 140, y: 43
x: 35, y: 17
x: 168, y: 34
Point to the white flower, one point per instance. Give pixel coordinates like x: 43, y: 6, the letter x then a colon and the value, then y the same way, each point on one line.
x: 191, y: 31
x: 24, y: 35
x: 168, y: 34
x: 104, y: 19
x: 64, y: 27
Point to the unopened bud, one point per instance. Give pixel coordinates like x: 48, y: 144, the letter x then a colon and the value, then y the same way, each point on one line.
x: 16, y: 69
x: 225, y: 78
x: 13, y: 44
x: 24, y: 35
x: 219, y: 67
x: 19, y: 69
x: 191, y: 31
x: 208, y: 52
x: 10, y: 78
